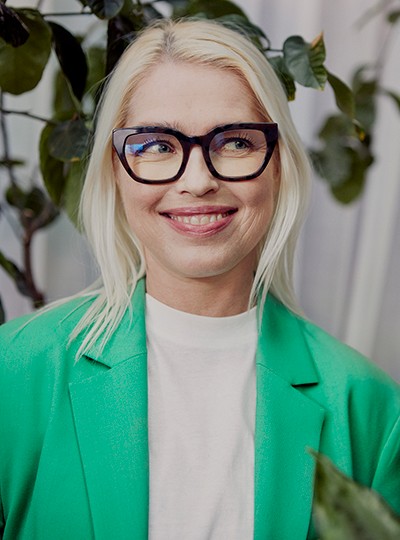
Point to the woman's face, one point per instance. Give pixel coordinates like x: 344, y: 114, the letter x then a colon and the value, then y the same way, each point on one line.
x: 198, y: 226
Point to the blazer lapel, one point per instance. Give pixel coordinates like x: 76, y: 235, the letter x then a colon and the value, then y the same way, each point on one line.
x: 110, y: 414
x: 287, y: 423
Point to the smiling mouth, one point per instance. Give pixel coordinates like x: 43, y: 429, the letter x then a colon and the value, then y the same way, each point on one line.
x: 200, y: 219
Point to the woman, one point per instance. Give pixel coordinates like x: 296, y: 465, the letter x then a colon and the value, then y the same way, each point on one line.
x: 182, y: 405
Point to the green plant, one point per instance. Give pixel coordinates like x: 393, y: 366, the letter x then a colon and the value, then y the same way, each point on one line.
x: 344, y: 509
x: 28, y: 37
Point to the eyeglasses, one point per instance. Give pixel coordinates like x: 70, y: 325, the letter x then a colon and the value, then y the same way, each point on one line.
x: 157, y: 155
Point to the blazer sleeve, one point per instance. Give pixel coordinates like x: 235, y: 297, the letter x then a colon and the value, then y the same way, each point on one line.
x: 386, y: 480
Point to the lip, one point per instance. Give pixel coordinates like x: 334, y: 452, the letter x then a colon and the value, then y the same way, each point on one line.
x: 208, y: 229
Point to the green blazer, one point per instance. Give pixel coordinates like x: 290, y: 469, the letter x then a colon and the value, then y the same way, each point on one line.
x: 73, y: 435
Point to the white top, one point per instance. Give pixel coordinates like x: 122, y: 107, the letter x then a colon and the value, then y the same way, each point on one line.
x: 202, y: 389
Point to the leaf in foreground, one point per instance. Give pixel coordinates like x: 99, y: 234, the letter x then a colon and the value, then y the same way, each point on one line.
x: 344, y: 509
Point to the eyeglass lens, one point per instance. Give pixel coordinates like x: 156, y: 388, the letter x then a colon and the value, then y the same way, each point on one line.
x: 159, y: 156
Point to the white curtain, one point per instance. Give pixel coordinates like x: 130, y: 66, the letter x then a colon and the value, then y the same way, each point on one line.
x: 348, y: 259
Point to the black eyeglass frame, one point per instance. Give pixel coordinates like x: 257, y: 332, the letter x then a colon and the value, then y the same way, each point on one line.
x: 120, y: 136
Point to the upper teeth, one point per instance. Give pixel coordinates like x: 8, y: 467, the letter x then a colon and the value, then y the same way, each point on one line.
x: 199, y: 219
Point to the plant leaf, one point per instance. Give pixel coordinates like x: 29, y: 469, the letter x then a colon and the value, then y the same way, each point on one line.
x: 12, y: 28
x: 121, y: 31
x: 304, y: 61
x: 73, y: 189
x: 393, y: 16
x: 71, y: 57
x: 68, y: 141
x: 104, y: 9
x: 242, y: 24
x: 21, y: 68
x: 345, y: 509
x: 210, y: 8
x: 392, y: 95
x: 52, y: 169
x: 15, y: 274
x: 278, y: 63
x: 343, y: 95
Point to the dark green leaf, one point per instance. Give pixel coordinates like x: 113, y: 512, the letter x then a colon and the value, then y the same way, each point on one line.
x: 12, y: 28
x: 278, y: 63
x: 16, y: 197
x: 305, y: 61
x: 244, y: 26
x: 52, y: 169
x: 68, y: 141
x: 346, y: 510
x: 121, y: 31
x: 365, y: 90
x: 210, y: 8
x: 73, y: 189
x: 97, y: 68
x: 2, y: 313
x: 343, y: 95
x: 393, y: 17
x: 64, y: 104
x: 15, y: 274
x: 21, y: 68
x: 104, y: 9
x: 71, y: 57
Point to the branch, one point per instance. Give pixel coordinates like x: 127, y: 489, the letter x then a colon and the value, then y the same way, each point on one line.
x: 34, y: 293
x: 6, y: 146
x: 27, y: 114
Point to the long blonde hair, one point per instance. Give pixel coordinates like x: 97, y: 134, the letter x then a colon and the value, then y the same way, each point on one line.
x: 117, y: 251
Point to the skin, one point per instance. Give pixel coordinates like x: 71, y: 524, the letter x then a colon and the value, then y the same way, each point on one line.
x: 202, y: 269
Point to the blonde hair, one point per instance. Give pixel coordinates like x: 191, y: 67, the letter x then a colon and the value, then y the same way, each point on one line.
x: 118, y: 253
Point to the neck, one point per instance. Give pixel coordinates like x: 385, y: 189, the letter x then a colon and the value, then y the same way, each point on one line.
x: 216, y: 296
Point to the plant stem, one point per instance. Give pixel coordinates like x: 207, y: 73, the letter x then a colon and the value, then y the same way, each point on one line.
x: 6, y: 146
x: 26, y: 113
x: 36, y: 295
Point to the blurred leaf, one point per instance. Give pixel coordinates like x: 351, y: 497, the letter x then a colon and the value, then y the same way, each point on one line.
x: 344, y: 509
x: 52, y: 169
x: 71, y: 57
x: 121, y: 31
x: 2, y: 313
x: 68, y: 140
x: 12, y: 28
x: 343, y: 95
x: 394, y: 96
x: 15, y: 274
x: 104, y: 9
x: 16, y: 197
x: 21, y: 68
x: 393, y: 17
x: 151, y: 13
x: 278, y: 63
x: 365, y: 89
x: 64, y: 103
x: 243, y: 25
x: 210, y: 8
x: 305, y: 61
x: 73, y: 189
x: 96, y: 57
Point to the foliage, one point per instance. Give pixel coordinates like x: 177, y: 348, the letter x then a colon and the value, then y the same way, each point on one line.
x: 29, y: 37
x: 345, y: 509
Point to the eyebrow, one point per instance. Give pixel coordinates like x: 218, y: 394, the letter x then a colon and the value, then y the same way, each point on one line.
x: 177, y: 127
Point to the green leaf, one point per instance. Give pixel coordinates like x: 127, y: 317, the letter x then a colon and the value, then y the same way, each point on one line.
x: 305, y: 61
x: 16, y: 197
x: 68, y: 141
x: 71, y: 57
x: 104, y: 9
x: 15, y: 274
x: 97, y: 68
x: 365, y: 90
x: 343, y: 95
x: 278, y: 63
x: 121, y: 31
x: 344, y: 509
x: 393, y: 16
x: 2, y: 313
x: 243, y: 25
x: 210, y: 8
x: 64, y: 103
x: 21, y: 68
x: 12, y: 28
x: 52, y: 169
x: 73, y: 189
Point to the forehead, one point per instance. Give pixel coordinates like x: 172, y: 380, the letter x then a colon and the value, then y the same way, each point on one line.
x: 190, y: 97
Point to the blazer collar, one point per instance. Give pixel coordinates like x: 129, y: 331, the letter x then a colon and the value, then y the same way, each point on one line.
x: 287, y: 424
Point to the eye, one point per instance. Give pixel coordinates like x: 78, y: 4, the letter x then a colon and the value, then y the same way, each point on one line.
x: 149, y: 146
x: 236, y: 144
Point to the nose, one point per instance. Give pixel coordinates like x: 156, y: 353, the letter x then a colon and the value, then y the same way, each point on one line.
x: 197, y: 179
